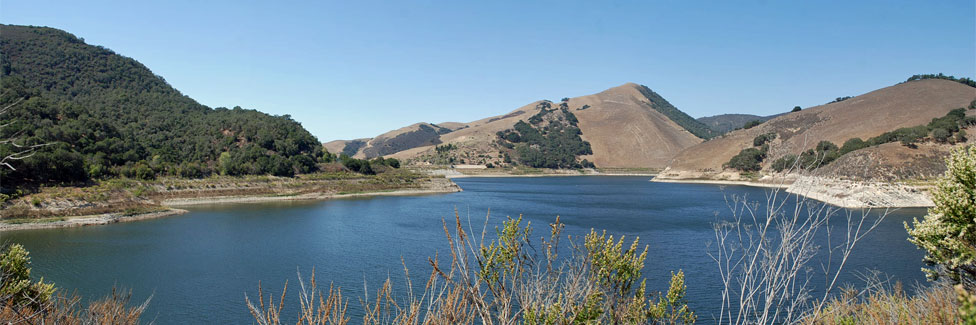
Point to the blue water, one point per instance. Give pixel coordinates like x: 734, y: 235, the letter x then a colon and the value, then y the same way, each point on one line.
x: 198, y: 266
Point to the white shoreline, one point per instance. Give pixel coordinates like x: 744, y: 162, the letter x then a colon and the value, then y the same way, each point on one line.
x: 722, y: 182
x: 836, y: 192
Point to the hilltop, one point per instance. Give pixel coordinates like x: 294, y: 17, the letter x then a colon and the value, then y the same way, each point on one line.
x: 625, y: 126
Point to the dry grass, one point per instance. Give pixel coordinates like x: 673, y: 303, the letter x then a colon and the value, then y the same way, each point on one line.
x: 891, y: 305
x: 66, y: 309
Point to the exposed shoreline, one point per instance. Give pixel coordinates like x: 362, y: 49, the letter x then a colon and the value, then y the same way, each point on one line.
x: 165, y: 206
x: 90, y: 220
x: 781, y: 185
x: 836, y: 192
x: 485, y: 173
x: 540, y: 175
x: 183, y: 202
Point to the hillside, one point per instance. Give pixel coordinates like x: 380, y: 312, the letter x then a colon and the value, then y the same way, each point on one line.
x: 412, y: 136
x: 904, y: 105
x: 105, y: 115
x: 724, y: 123
x: 625, y: 126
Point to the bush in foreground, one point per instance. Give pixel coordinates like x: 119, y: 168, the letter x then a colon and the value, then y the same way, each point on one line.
x: 948, y: 231
x: 23, y: 301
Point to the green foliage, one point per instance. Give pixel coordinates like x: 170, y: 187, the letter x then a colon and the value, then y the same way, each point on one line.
x: 357, y: 165
x: 796, y: 109
x: 749, y: 159
x: 445, y: 148
x: 784, y: 163
x: 328, y: 157
x: 823, y: 154
x: 553, y: 145
x: 16, y: 286
x: 964, y: 81
x: 941, y: 135
x: 752, y: 124
x: 948, y: 232
x: 908, y: 135
x: 840, y: 99
x: 762, y: 139
x: 852, y: 144
x: 107, y: 112
x: 689, y: 123
x: 972, y: 104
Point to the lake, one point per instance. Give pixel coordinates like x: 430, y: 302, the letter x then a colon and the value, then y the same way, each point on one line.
x: 198, y: 266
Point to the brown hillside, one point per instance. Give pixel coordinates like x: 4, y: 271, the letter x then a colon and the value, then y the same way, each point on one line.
x: 621, y: 124
x: 902, y: 105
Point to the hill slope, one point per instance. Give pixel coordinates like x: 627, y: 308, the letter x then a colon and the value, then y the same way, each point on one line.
x: 625, y: 126
x: 903, y: 105
x: 106, y: 114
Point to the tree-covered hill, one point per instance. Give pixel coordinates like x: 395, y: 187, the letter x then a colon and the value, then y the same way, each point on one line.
x: 106, y: 115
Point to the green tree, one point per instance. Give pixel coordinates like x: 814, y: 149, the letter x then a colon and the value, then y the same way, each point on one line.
x: 796, y: 109
x: 948, y: 232
x: 748, y: 159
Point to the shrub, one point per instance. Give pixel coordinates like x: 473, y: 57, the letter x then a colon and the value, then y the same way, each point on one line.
x: 941, y: 135
x: 762, y: 139
x: 948, y: 232
x: 23, y: 301
x: 748, y: 159
x: 796, y: 109
x: 783, y: 163
x: 752, y: 124
x: 358, y: 165
x: 852, y: 145
x: 16, y: 288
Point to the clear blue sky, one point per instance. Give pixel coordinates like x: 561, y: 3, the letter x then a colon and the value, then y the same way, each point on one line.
x: 355, y: 69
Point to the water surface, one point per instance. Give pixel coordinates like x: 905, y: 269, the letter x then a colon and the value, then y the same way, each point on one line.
x: 199, y: 265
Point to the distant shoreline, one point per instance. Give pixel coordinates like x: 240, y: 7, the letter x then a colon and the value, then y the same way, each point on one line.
x: 241, y: 199
x: 837, y: 192
x: 781, y: 185
x: 541, y: 175
x: 170, y: 210
x: 150, y: 208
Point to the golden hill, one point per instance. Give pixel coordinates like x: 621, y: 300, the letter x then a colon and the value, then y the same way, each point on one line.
x: 626, y: 126
x: 903, y: 105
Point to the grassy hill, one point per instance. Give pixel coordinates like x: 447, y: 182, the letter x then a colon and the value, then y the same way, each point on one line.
x: 626, y: 126
x: 891, y: 112
x: 106, y: 115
